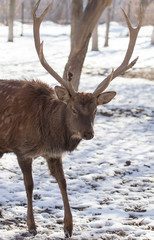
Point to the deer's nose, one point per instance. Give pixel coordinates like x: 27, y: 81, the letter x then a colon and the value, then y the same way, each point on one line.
x: 88, y: 135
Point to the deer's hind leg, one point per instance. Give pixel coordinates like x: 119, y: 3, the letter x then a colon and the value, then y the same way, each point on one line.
x: 26, y: 167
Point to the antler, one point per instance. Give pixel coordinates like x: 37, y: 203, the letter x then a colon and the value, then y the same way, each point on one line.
x: 39, y: 48
x: 125, y: 64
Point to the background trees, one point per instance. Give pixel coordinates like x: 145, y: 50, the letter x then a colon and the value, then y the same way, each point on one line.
x: 11, y: 19
x: 62, y: 10
x: 152, y: 37
x: 84, y: 16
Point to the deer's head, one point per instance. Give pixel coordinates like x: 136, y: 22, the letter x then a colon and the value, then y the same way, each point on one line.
x: 80, y: 105
x: 81, y: 109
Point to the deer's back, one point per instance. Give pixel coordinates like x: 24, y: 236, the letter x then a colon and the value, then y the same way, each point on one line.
x: 21, y: 105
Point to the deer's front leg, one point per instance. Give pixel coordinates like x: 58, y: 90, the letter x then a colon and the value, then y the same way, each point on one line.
x: 56, y: 170
x: 26, y: 167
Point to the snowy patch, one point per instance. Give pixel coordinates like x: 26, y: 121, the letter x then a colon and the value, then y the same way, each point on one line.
x: 110, y: 178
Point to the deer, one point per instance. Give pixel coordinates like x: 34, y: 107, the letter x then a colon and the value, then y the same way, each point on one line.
x: 37, y: 120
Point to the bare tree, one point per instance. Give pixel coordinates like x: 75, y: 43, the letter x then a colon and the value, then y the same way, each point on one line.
x: 82, y: 34
x: 95, y: 38
x: 113, y: 9
x: 145, y: 4
x: 152, y: 37
x: 106, y: 44
x: 11, y: 19
x: 76, y: 12
x: 4, y: 12
x: 32, y: 4
x: 22, y: 19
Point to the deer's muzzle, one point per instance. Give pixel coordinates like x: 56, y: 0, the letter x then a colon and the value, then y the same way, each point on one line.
x: 88, y: 135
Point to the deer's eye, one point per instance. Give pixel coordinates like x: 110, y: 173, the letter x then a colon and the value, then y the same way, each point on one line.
x: 74, y: 111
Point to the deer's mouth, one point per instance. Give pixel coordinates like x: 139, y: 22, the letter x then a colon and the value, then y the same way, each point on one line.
x: 76, y: 136
x: 85, y: 135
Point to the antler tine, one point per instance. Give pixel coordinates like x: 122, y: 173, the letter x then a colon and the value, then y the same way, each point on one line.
x: 125, y: 64
x: 101, y: 87
x: 37, y: 23
x: 39, y: 46
x: 133, y: 35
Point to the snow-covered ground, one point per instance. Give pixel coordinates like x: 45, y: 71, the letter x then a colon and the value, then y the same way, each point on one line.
x: 110, y: 178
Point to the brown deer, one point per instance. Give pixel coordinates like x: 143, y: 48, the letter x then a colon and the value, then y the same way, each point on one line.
x: 36, y: 120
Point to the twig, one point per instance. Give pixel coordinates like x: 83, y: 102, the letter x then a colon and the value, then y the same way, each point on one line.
x: 3, y: 168
x: 43, y: 173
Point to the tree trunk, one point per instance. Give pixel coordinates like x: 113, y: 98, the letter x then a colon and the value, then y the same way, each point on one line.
x: 95, y: 38
x: 22, y: 19
x: 145, y: 4
x: 106, y: 44
x: 11, y: 19
x: 76, y: 12
x: 75, y: 64
x: 32, y: 5
x: 82, y: 34
x: 113, y: 10
x: 5, y: 13
x: 152, y: 37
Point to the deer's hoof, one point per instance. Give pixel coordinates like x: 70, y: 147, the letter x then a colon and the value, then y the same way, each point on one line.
x: 68, y: 226
x: 68, y: 233
x: 31, y: 227
x: 33, y: 232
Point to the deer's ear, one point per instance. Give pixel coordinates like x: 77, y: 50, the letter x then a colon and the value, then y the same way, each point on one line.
x: 105, y: 97
x: 62, y: 93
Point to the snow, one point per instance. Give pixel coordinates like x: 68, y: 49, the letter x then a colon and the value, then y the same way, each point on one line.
x: 110, y: 178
